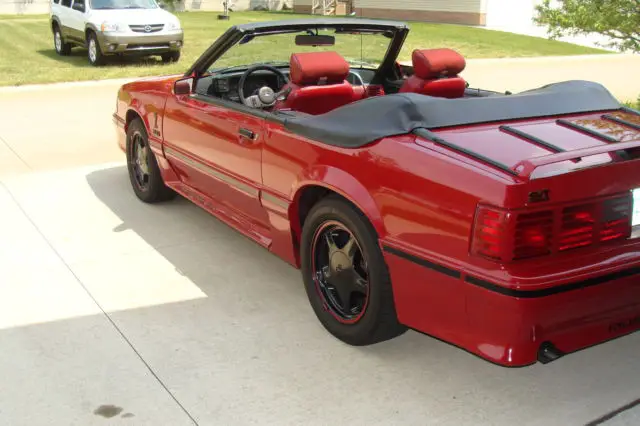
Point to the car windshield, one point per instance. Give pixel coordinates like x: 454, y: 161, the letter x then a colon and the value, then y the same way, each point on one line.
x: 123, y: 4
x: 361, y: 50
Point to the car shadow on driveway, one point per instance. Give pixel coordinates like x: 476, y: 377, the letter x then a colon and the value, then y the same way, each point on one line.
x: 254, y: 342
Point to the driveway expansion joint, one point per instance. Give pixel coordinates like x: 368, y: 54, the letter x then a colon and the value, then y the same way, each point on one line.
x: 10, y: 148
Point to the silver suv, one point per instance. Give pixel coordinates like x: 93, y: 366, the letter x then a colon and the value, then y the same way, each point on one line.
x: 115, y: 27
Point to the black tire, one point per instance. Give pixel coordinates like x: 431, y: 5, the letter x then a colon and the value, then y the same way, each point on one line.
x: 150, y: 188
x: 170, y: 57
x: 94, y: 53
x: 377, y: 320
x: 62, y: 48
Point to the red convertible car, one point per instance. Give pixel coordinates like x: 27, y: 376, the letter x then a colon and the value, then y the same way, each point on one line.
x: 505, y: 224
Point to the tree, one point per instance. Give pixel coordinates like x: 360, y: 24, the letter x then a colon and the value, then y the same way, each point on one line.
x: 619, y: 20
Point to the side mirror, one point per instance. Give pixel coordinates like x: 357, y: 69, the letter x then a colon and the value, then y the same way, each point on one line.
x: 162, y: 5
x: 183, y: 87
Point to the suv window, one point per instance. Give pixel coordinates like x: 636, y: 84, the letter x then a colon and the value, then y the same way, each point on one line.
x: 56, y: 1
x: 65, y: 3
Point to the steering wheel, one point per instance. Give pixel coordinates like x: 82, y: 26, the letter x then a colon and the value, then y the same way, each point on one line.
x: 265, y: 97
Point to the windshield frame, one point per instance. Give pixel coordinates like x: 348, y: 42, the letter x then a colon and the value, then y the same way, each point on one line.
x: 397, y: 33
x: 357, y: 64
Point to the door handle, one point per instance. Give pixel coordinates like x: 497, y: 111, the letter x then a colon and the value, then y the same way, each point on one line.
x: 248, y: 134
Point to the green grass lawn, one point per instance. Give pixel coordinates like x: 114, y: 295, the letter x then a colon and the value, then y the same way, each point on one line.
x: 27, y: 54
x: 634, y: 104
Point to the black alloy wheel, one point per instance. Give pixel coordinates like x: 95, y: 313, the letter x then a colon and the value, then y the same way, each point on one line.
x: 340, y: 271
x: 144, y: 173
x: 345, y: 274
x: 140, y: 161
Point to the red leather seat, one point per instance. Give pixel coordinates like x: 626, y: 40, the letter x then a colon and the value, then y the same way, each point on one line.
x: 436, y: 73
x: 317, y: 83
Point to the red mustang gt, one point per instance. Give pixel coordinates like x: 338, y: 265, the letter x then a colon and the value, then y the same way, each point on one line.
x: 503, y: 223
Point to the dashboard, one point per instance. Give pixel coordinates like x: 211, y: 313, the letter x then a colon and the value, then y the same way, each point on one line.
x: 225, y: 85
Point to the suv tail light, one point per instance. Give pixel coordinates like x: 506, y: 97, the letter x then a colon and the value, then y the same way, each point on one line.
x: 511, y: 235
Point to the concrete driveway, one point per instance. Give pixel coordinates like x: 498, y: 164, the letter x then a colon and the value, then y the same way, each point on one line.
x: 161, y: 315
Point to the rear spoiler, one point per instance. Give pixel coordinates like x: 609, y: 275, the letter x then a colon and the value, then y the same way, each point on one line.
x: 524, y: 169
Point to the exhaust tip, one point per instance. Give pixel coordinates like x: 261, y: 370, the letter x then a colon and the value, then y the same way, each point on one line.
x: 548, y: 352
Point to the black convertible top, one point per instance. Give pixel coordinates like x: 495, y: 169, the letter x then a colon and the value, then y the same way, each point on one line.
x: 359, y: 123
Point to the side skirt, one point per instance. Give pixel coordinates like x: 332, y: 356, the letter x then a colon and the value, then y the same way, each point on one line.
x: 222, y: 212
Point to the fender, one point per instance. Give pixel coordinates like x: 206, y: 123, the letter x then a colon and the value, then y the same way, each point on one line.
x: 341, y: 182
x: 92, y: 27
x: 54, y: 18
x: 151, y: 115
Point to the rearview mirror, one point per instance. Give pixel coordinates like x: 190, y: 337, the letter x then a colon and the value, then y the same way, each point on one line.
x: 183, y: 87
x: 315, y: 40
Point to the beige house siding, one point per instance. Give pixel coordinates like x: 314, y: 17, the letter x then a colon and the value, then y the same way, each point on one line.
x: 23, y: 7
x: 302, y: 6
x: 470, y: 6
x: 469, y: 12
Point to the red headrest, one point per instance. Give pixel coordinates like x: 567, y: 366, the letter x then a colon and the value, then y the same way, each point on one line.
x: 433, y: 63
x: 310, y: 68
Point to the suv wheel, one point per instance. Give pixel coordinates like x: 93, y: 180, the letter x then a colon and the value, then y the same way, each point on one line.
x: 94, y: 53
x: 170, y: 57
x: 62, y: 48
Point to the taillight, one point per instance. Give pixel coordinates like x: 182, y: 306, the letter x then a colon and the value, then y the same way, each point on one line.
x: 489, y: 233
x: 616, y: 219
x: 510, y: 235
x: 578, y: 224
x: 533, y: 234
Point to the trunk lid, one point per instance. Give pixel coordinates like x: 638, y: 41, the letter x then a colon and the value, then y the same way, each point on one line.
x: 510, y: 144
x: 576, y: 157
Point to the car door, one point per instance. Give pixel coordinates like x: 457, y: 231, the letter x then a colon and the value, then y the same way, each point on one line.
x: 76, y: 19
x: 62, y: 12
x: 216, y: 148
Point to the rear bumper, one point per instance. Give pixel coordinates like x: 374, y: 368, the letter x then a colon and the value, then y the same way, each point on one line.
x: 511, y: 328
x: 143, y: 44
